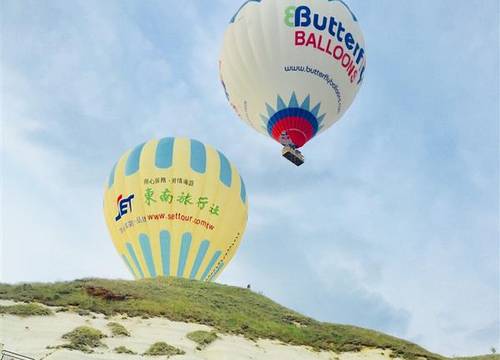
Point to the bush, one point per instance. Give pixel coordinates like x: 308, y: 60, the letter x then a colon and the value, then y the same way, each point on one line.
x: 84, y: 339
x: 162, y: 348
x: 25, y: 310
x: 118, y: 329
x: 202, y: 338
x: 124, y: 350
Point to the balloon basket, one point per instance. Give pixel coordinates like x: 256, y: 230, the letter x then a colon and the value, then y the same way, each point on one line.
x: 293, y: 155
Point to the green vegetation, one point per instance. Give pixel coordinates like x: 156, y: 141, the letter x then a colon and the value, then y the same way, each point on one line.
x: 481, y: 357
x: 84, y: 339
x: 229, y: 310
x: 202, y: 338
x: 162, y: 348
x: 124, y: 350
x: 25, y: 310
x: 118, y: 329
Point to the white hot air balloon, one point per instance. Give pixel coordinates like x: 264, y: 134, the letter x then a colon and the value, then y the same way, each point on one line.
x: 291, y: 68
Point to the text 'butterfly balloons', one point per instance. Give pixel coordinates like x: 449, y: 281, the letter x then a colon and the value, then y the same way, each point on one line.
x: 175, y: 207
x: 291, y: 68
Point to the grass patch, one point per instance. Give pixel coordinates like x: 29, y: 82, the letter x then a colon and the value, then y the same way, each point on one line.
x: 25, y: 310
x: 124, y: 350
x: 163, y: 349
x: 83, y: 339
x: 118, y: 329
x: 227, y: 309
x: 202, y: 338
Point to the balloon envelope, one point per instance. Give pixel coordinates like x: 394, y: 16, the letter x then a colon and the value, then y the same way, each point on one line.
x: 291, y: 68
x: 175, y: 207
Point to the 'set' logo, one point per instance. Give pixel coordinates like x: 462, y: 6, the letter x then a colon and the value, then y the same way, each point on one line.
x: 124, y: 205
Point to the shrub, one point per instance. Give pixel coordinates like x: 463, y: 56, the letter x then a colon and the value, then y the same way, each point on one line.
x: 25, y: 310
x: 118, y: 329
x: 124, y: 350
x: 84, y: 339
x: 202, y: 338
x: 162, y: 348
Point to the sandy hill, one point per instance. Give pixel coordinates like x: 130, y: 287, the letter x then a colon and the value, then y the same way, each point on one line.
x: 169, y: 317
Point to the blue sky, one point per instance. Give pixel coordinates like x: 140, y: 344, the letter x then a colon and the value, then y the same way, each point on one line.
x: 391, y: 224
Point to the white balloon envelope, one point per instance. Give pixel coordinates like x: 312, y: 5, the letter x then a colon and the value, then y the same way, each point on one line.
x: 291, y: 68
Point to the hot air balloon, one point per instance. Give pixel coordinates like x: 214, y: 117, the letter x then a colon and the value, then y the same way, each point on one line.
x: 290, y: 68
x: 175, y: 207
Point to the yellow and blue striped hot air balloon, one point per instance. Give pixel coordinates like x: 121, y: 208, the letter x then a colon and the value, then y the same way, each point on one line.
x: 175, y: 207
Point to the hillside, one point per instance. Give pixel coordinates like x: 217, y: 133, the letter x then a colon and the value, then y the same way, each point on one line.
x: 225, y: 309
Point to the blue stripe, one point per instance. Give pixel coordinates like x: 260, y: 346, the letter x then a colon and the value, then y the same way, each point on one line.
x: 131, y: 252
x: 185, y: 245
x: 225, y: 170
x: 128, y: 265
x: 165, y: 252
x: 146, y: 252
x: 211, y: 264
x: 297, y: 112
x: 202, y: 251
x: 219, y: 268
x: 243, y: 191
x: 164, y: 153
x: 111, y: 180
x: 133, y: 161
x: 198, y: 156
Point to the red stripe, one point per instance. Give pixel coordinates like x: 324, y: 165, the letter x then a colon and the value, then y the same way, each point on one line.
x: 298, y: 129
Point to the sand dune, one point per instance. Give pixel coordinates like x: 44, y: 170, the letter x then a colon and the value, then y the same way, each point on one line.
x: 30, y: 336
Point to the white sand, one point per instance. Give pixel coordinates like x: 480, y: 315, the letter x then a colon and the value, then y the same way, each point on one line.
x: 30, y: 337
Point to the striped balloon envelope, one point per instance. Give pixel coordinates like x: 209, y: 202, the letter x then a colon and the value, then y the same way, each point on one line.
x: 175, y: 207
